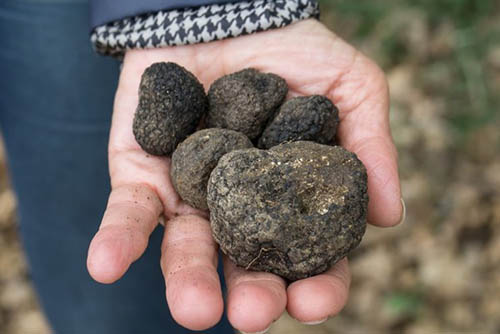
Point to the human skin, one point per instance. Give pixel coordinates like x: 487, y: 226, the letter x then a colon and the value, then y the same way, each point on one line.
x: 313, y: 60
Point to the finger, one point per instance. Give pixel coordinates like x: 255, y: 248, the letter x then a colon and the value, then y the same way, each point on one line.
x: 313, y: 300
x: 255, y: 299
x: 130, y: 217
x: 364, y: 129
x: 189, y: 265
x: 377, y: 154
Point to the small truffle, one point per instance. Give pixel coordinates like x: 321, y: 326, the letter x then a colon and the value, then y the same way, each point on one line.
x: 171, y: 104
x: 196, y: 157
x: 293, y: 210
x: 313, y: 118
x: 244, y: 101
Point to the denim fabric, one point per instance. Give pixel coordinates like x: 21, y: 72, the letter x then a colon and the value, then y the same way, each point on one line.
x: 55, y: 111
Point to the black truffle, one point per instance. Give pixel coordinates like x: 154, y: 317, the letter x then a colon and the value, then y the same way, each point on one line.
x: 313, y: 118
x: 244, y: 101
x: 294, y: 210
x: 196, y: 157
x: 171, y: 104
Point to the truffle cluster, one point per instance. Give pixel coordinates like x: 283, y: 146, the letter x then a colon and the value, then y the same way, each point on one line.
x: 295, y: 205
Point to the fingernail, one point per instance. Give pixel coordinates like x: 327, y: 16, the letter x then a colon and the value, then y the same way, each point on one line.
x: 161, y: 220
x: 403, y: 214
x: 317, y: 322
x: 261, y: 332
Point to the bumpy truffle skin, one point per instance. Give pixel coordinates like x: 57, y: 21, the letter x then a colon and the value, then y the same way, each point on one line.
x: 244, y: 101
x: 294, y: 210
x: 313, y: 118
x: 171, y: 104
x: 196, y: 157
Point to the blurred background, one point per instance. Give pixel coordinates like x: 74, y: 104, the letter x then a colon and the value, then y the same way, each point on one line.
x: 440, y: 270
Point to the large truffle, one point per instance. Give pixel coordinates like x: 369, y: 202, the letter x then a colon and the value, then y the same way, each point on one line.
x: 196, y: 157
x: 244, y: 101
x: 313, y: 118
x: 171, y: 104
x: 293, y: 210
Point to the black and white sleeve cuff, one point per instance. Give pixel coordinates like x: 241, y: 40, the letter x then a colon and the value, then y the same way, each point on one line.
x: 197, y: 25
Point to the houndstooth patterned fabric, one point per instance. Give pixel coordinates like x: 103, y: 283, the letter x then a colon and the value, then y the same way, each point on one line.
x: 196, y: 25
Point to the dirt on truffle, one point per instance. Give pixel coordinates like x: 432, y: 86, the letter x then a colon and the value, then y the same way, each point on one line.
x: 171, y: 104
x: 293, y: 210
x: 312, y: 118
x: 244, y: 101
x: 196, y: 157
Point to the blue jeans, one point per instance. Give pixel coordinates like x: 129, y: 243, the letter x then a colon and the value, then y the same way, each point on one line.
x: 55, y: 110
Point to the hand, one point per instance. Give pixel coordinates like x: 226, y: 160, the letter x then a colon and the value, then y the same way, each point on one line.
x: 313, y: 61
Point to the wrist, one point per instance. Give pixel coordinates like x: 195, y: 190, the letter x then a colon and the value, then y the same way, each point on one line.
x: 198, y: 25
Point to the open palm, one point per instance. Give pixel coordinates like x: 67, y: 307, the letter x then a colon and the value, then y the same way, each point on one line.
x: 313, y: 61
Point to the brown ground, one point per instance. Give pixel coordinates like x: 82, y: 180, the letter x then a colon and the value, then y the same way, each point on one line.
x: 440, y: 270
